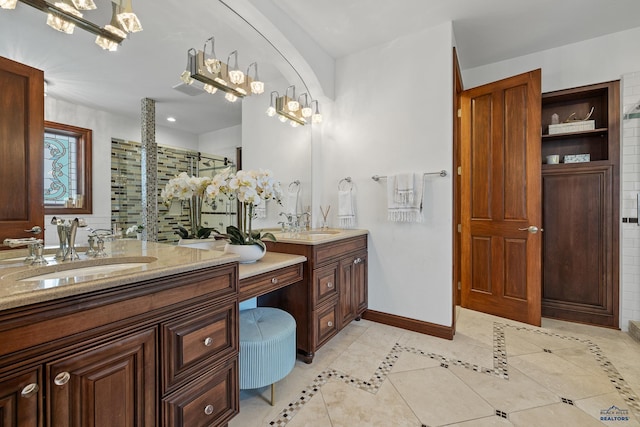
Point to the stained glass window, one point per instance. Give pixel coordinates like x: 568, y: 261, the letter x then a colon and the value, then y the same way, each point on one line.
x: 67, y: 169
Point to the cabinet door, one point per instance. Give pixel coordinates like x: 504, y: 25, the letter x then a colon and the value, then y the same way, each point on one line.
x: 352, y: 287
x: 22, y: 148
x: 110, y: 385
x: 20, y: 400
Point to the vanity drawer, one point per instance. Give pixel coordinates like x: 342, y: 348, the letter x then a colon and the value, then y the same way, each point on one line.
x: 324, y: 320
x: 267, y: 282
x: 212, y: 400
x: 325, y: 283
x: 198, y: 340
x: 331, y: 251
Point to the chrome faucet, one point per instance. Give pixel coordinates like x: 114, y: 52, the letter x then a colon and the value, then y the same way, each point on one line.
x: 36, y: 246
x: 62, y: 236
x: 71, y: 231
x: 96, y: 242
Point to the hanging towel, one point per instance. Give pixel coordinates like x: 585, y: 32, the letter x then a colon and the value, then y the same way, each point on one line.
x: 405, y: 210
x: 346, y: 209
x: 292, y: 202
x: 404, y: 189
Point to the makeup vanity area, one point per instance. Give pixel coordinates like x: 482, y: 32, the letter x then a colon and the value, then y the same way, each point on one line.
x: 156, y: 342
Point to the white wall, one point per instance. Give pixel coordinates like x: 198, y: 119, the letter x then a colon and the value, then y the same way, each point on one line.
x: 392, y: 114
x: 222, y: 142
x: 105, y: 126
x: 593, y: 61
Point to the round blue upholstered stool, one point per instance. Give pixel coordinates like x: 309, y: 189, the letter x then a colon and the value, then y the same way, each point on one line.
x: 267, y: 347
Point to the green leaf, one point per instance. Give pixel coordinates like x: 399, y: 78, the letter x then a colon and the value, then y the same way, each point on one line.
x: 182, y: 232
x: 269, y: 236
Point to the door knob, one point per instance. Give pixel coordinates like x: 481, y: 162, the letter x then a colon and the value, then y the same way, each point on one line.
x: 531, y: 229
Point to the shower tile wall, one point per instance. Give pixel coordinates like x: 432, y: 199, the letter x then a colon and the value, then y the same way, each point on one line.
x: 630, y: 251
x: 126, y: 190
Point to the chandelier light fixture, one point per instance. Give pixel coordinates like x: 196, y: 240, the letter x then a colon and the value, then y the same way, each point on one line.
x: 65, y: 16
x: 294, y: 111
x: 214, y: 74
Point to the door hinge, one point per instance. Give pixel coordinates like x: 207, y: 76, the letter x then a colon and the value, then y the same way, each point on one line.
x: 460, y: 170
x: 459, y: 228
x: 459, y: 112
x: 459, y: 286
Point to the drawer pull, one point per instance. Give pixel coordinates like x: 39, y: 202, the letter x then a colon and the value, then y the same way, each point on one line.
x: 62, y: 378
x: 208, y: 409
x: 329, y: 323
x: 208, y: 341
x: 29, y: 390
x: 329, y: 285
x: 274, y: 280
x: 357, y: 260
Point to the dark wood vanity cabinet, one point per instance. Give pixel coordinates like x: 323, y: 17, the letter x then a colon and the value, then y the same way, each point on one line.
x: 580, y: 205
x: 333, y: 291
x: 159, y: 352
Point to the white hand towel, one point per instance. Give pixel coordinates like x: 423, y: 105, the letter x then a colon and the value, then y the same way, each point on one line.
x: 346, y: 209
x: 292, y: 202
x: 407, y: 211
x: 404, y: 188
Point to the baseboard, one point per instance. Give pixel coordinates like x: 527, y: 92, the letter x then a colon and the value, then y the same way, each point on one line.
x: 420, y: 326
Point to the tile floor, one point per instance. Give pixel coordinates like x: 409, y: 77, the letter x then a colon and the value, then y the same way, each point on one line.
x: 495, y: 372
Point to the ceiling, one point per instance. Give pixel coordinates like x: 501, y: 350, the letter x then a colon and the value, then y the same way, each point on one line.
x: 149, y: 63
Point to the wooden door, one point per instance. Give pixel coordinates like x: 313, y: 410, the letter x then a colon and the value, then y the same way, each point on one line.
x: 21, y: 149
x: 21, y: 400
x: 501, y: 198
x: 110, y: 385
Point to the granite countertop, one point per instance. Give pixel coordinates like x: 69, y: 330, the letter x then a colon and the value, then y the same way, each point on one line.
x: 317, y: 236
x: 148, y: 261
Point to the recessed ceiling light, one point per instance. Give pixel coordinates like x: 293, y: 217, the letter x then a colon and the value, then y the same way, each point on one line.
x: 171, y: 119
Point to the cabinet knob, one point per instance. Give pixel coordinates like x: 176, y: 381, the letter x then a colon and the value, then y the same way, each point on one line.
x: 357, y: 260
x: 208, y: 341
x: 62, y: 378
x: 329, y: 323
x: 208, y: 409
x: 29, y: 390
x: 274, y: 280
x: 330, y: 285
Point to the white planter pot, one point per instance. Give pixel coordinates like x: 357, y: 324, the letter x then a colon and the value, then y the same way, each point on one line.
x: 213, y: 244
x: 247, y: 253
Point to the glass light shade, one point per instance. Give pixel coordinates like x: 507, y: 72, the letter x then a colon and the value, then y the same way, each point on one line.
x: 127, y: 18
x: 307, y: 112
x: 231, y: 97
x: 293, y: 124
x: 271, y: 111
x: 60, y: 24
x: 283, y: 119
x: 236, y: 77
x: 210, y: 88
x: 84, y: 4
x: 8, y: 4
x: 106, y: 44
x: 316, y: 118
x: 186, y: 77
x: 213, y: 65
x: 293, y: 105
x: 221, y: 81
x: 257, y: 87
x: 115, y: 30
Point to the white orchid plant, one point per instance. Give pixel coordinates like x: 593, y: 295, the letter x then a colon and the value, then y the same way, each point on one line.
x: 251, y: 188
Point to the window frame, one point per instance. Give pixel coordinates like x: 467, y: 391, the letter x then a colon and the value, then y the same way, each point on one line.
x: 84, y: 167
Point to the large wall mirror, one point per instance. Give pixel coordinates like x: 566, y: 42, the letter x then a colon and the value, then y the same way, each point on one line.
x: 100, y: 90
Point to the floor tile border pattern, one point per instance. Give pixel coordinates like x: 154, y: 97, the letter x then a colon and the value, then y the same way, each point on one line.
x: 500, y: 369
x: 619, y: 383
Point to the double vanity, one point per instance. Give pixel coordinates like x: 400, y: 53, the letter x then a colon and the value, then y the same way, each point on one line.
x: 149, y: 336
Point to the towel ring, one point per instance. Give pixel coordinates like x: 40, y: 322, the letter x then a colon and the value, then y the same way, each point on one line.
x: 348, y: 184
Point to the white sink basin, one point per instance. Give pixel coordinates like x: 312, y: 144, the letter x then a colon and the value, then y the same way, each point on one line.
x: 79, y: 271
x: 85, y: 272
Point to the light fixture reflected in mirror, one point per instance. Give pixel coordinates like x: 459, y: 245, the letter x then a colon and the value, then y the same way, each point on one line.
x: 271, y: 111
x: 217, y: 75
x: 297, y: 116
x: 63, y: 16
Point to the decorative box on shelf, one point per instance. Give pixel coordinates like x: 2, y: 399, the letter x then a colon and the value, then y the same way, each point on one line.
x: 572, y: 127
x: 577, y: 158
